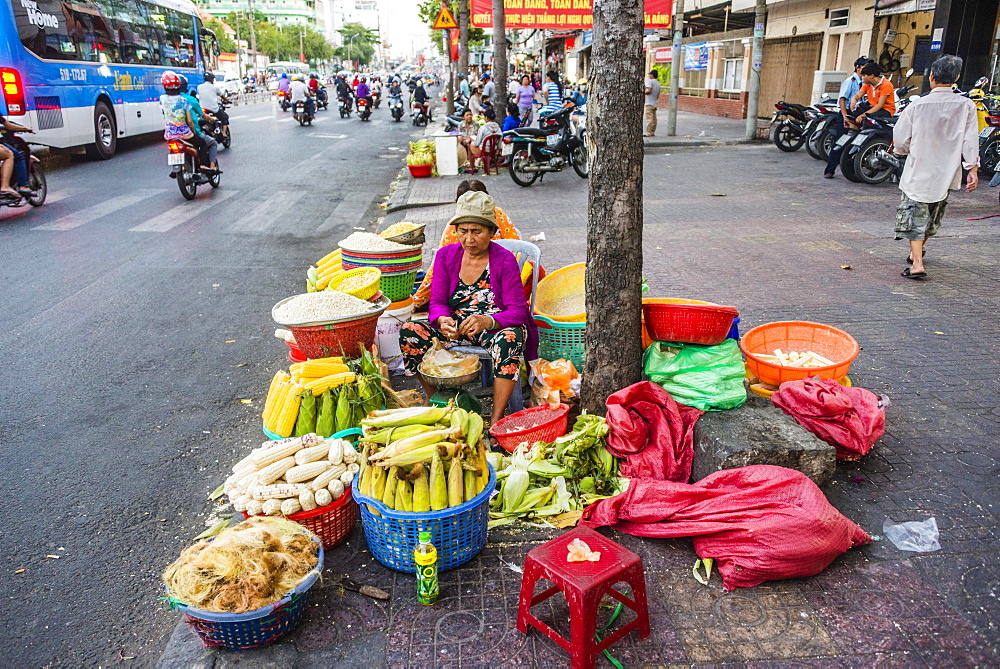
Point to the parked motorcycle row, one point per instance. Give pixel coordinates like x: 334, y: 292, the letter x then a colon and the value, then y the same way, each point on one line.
x: 867, y: 155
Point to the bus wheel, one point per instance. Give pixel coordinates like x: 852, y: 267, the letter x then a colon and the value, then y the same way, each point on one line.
x: 105, y: 133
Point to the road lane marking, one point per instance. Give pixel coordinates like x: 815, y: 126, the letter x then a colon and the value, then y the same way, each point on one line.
x: 348, y: 213
x: 61, y: 194
x: 279, y: 205
x: 260, y: 118
x: 84, y: 216
x: 183, y: 213
x: 322, y: 136
x: 240, y: 117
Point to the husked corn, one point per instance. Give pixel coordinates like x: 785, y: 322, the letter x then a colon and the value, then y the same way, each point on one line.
x: 290, y: 506
x: 307, y: 472
x: 321, y: 481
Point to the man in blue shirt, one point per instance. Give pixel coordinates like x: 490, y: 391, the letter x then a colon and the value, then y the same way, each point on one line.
x: 463, y: 87
x: 848, y: 90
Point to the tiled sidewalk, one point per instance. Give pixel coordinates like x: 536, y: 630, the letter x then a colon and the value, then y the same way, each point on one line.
x: 760, y: 230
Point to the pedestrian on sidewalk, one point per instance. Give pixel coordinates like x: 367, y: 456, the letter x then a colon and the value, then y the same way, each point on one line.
x: 652, y: 99
x: 526, y: 98
x: 848, y: 89
x: 940, y: 133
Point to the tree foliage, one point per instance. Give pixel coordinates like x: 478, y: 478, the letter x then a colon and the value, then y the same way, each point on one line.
x: 226, y: 43
x: 281, y: 42
x: 428, y: 10
x: 359, y: 43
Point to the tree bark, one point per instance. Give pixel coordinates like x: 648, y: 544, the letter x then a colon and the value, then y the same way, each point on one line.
x: 499, y: 59
x: 614, y: 230
x: 463, y: 37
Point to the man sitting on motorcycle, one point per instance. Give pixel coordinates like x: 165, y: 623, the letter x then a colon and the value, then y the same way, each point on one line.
x: 13, y: 164
x: 363, y: 92
x: 881, y: 100
x: 178, y: 114
x: 300, y: 92
x: 211, y: 146
x: 344, y: 92
x: 316, y: 88
x: 210, y: 96
x: 283, y: 83
x: 421, y: 98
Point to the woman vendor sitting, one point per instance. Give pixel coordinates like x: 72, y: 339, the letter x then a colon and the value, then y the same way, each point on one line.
x: 476, y: 299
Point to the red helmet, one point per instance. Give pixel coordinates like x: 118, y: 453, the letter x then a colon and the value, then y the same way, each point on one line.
x: 170, y: 80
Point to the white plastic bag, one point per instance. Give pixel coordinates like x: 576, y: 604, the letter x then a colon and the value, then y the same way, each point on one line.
x: 920, y: 536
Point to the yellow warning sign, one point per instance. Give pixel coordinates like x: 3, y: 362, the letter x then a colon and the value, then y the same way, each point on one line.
x: 444, y: 20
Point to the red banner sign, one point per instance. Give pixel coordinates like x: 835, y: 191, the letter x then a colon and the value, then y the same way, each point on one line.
x: 453, y: 45
x: 560, y: 14
x: 227, y: 57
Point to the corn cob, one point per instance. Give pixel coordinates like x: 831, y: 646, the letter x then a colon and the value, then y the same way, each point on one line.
x: 347, y: 478
x: 254, y: 508
x: 336, y: 455
x: 409, y: 416
x: 240, y: 503
x: 321, y: 481
x: 285, y: 420
x: 307, y: 472
x: 474, y: 430
x: 290, y: 506
x: 327, y: 382
x: 389, y: 494
x: 279, y: 377
x: 272, y: 507
x: 275, y: 470
x: 422, y: 492
x: 455, y: 483
x: 365, y: 472
x: 336, y: 489
x: 354, y: 468
x: 317, y: 369
x: 484, y: 468
x: 311, y: 454
x: 270, y: 455
x: 307, y: 500
x: 389, y: 434
x: 422, y: 454
x: 263, y: 493
x: 411, y: 443
x: 404, y: 496
x: 329, y: 257
x: 469, y: 480
x: 377, y: 485
x: 350, y: 453
x: 323, y: 497
x: 438, y: 485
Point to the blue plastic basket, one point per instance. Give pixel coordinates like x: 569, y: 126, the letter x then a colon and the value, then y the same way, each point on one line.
x: 458, y: 533
x: 253, y: 629
x: 343, y: 434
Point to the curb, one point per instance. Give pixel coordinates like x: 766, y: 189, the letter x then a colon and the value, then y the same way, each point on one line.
x: 658, y: 143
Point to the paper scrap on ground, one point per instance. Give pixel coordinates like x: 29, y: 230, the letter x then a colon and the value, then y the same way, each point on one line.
x: 579, y: 551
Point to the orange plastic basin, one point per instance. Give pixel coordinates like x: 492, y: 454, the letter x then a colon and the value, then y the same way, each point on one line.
x: 828, y: 341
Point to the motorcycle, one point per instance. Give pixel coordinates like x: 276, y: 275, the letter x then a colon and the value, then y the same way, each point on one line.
x: 820, y: 141
x: 989, y: 146
x: 322, y: 99
x: 376, y: 99
x: 283, y: 101
x: 301, y: 113
x: 344, y: 105
x: 419, y: 114
x: 396, y: 107
x: 215, y: 130
x: 364, y: 109
x: 864, y: 160
x: 36, y: 175
x: 788, y: 133
x: 531, y: 152
x: 185, y: 167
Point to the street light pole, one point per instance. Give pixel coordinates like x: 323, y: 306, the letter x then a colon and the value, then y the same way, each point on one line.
x: 753, y: 92
x: 676, y: 63
x: 253, y: 35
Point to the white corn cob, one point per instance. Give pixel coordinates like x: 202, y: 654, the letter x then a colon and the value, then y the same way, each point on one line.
x: 272, y: 455
x: 272, y: 507
x: 354, y: 468
x: 254, y: 508
x: 240, y: 503
x: 290, y: 506
x: 307, y: 500
x: 324, y: 479
x: 323, y: 497
x: 336, y: 489
x: 277, y: 491
x: 336, y: 451
x: 347, y: 478
x: 350, y: 454
x: 307, y: 472
x: 275, y: 470
x: 311, y: 454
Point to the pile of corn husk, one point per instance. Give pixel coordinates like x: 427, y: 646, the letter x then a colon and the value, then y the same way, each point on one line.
x: 245, y: 567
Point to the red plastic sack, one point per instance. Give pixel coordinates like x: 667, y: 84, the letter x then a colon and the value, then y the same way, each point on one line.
x: 760, y: 523
x: 849, y: 419
x: 651, y: 432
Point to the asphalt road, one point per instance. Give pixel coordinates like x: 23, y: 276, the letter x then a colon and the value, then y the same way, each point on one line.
x: 134, y: 324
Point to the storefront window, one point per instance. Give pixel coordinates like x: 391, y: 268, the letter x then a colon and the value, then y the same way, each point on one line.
x: 732, y: 74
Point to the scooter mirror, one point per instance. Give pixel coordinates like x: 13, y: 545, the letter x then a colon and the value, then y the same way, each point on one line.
x: 981, y: 81
x: 909, y: 72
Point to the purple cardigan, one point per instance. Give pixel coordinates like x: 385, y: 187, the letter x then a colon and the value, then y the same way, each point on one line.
x: 505, y: 282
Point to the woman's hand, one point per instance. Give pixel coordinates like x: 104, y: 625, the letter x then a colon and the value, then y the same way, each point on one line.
x: 448, y: 327
x: 475, y: 324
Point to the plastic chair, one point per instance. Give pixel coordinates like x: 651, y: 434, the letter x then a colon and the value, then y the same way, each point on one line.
x: 524, y: 252
x: 584, y: 584
x: 490, y: 157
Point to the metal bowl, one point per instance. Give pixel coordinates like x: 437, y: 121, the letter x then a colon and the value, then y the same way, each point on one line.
x: 410, y: 236
x: 451, y: 381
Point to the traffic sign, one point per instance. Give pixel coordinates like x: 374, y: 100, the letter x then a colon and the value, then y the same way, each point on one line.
x: 444, y: 20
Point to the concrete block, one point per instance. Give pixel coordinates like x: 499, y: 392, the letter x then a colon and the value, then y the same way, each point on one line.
x: 759, y: 433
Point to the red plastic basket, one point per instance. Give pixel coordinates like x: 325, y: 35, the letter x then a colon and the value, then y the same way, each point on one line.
x: 295, y: 353
x: 321, y: 341
x: 687, y: 321
x: 331, y: 523
x: 524, y: 426
x: 420, y: 171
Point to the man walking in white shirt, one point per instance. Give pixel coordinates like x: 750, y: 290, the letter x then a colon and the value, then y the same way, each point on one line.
x: 940, y: 133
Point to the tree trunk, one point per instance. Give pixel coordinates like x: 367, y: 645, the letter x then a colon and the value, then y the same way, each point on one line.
x: 499, y: 59
x: 614, y: 230
x: 463, y: 37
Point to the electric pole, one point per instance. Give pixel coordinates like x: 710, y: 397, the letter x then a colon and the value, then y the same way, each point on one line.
x: 253, y: 36
x: 676, y: 65
x: 753, y: 93
x: 499, y: 55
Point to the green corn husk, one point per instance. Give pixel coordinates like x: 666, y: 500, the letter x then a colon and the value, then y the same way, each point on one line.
x: 456, y: 483
x: 475, y: 430
x: 422, y: 454
x: 404, y: 496
x: 388, y: 435
x: 422, y: 492
x: 306, y: 421
x: 389, y: 494
x: 408, y: 416
x: 458, y: 419
x: 402, y: 446
x: 438, y: 485
x: 324, y: 419
x: 469, y: 479
x: 342, y: 415
x: 377, y: 485
x: 365, y: 475
x: 370, y: 394
x: 513, y: 490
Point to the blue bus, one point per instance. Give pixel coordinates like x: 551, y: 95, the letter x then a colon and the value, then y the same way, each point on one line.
x: 86, y: 72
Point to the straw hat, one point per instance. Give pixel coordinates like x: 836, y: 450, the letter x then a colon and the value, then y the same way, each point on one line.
x: 475, y: 207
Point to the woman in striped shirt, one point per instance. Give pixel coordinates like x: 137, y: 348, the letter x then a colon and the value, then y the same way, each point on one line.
x: 553, y: 94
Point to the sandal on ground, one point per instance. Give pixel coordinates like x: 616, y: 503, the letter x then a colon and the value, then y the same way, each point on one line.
x: 923, y: 254
x: 906, y: 273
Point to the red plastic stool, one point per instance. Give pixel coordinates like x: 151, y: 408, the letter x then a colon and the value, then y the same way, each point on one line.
x: 583, y: 584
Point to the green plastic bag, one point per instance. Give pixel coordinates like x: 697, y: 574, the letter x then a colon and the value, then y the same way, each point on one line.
x: 709, y: 378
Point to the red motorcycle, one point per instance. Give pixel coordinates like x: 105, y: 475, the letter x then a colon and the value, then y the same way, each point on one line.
x: 185, y: 167
x: 283, y: 101
x: 36, y: 175
x: 364, y: 109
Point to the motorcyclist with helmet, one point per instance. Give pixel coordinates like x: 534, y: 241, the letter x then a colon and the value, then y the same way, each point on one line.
x: 210, y: 97
x: 363, y: 91
x: 316, y: 88
x: 211, y: 146
x: 180, y: 119
x: 12, y: 164
x: 299, y: 91
x: 344, y: 92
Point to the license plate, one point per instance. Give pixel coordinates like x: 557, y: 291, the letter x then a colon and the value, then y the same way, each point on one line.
x: 844, y: 139
x: 552, y: 140
x: 175, y: 159
x: 986, y: 132
x: 506, y: 149
x: 859, y: 140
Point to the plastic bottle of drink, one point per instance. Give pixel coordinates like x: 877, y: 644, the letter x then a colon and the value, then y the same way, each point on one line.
x: 426, y: 557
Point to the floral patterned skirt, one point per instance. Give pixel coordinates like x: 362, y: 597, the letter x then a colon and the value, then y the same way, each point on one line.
x: 506, y: 346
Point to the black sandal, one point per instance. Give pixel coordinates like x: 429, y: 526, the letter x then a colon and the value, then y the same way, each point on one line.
x: 923, y: 254
x: 906, y: 273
